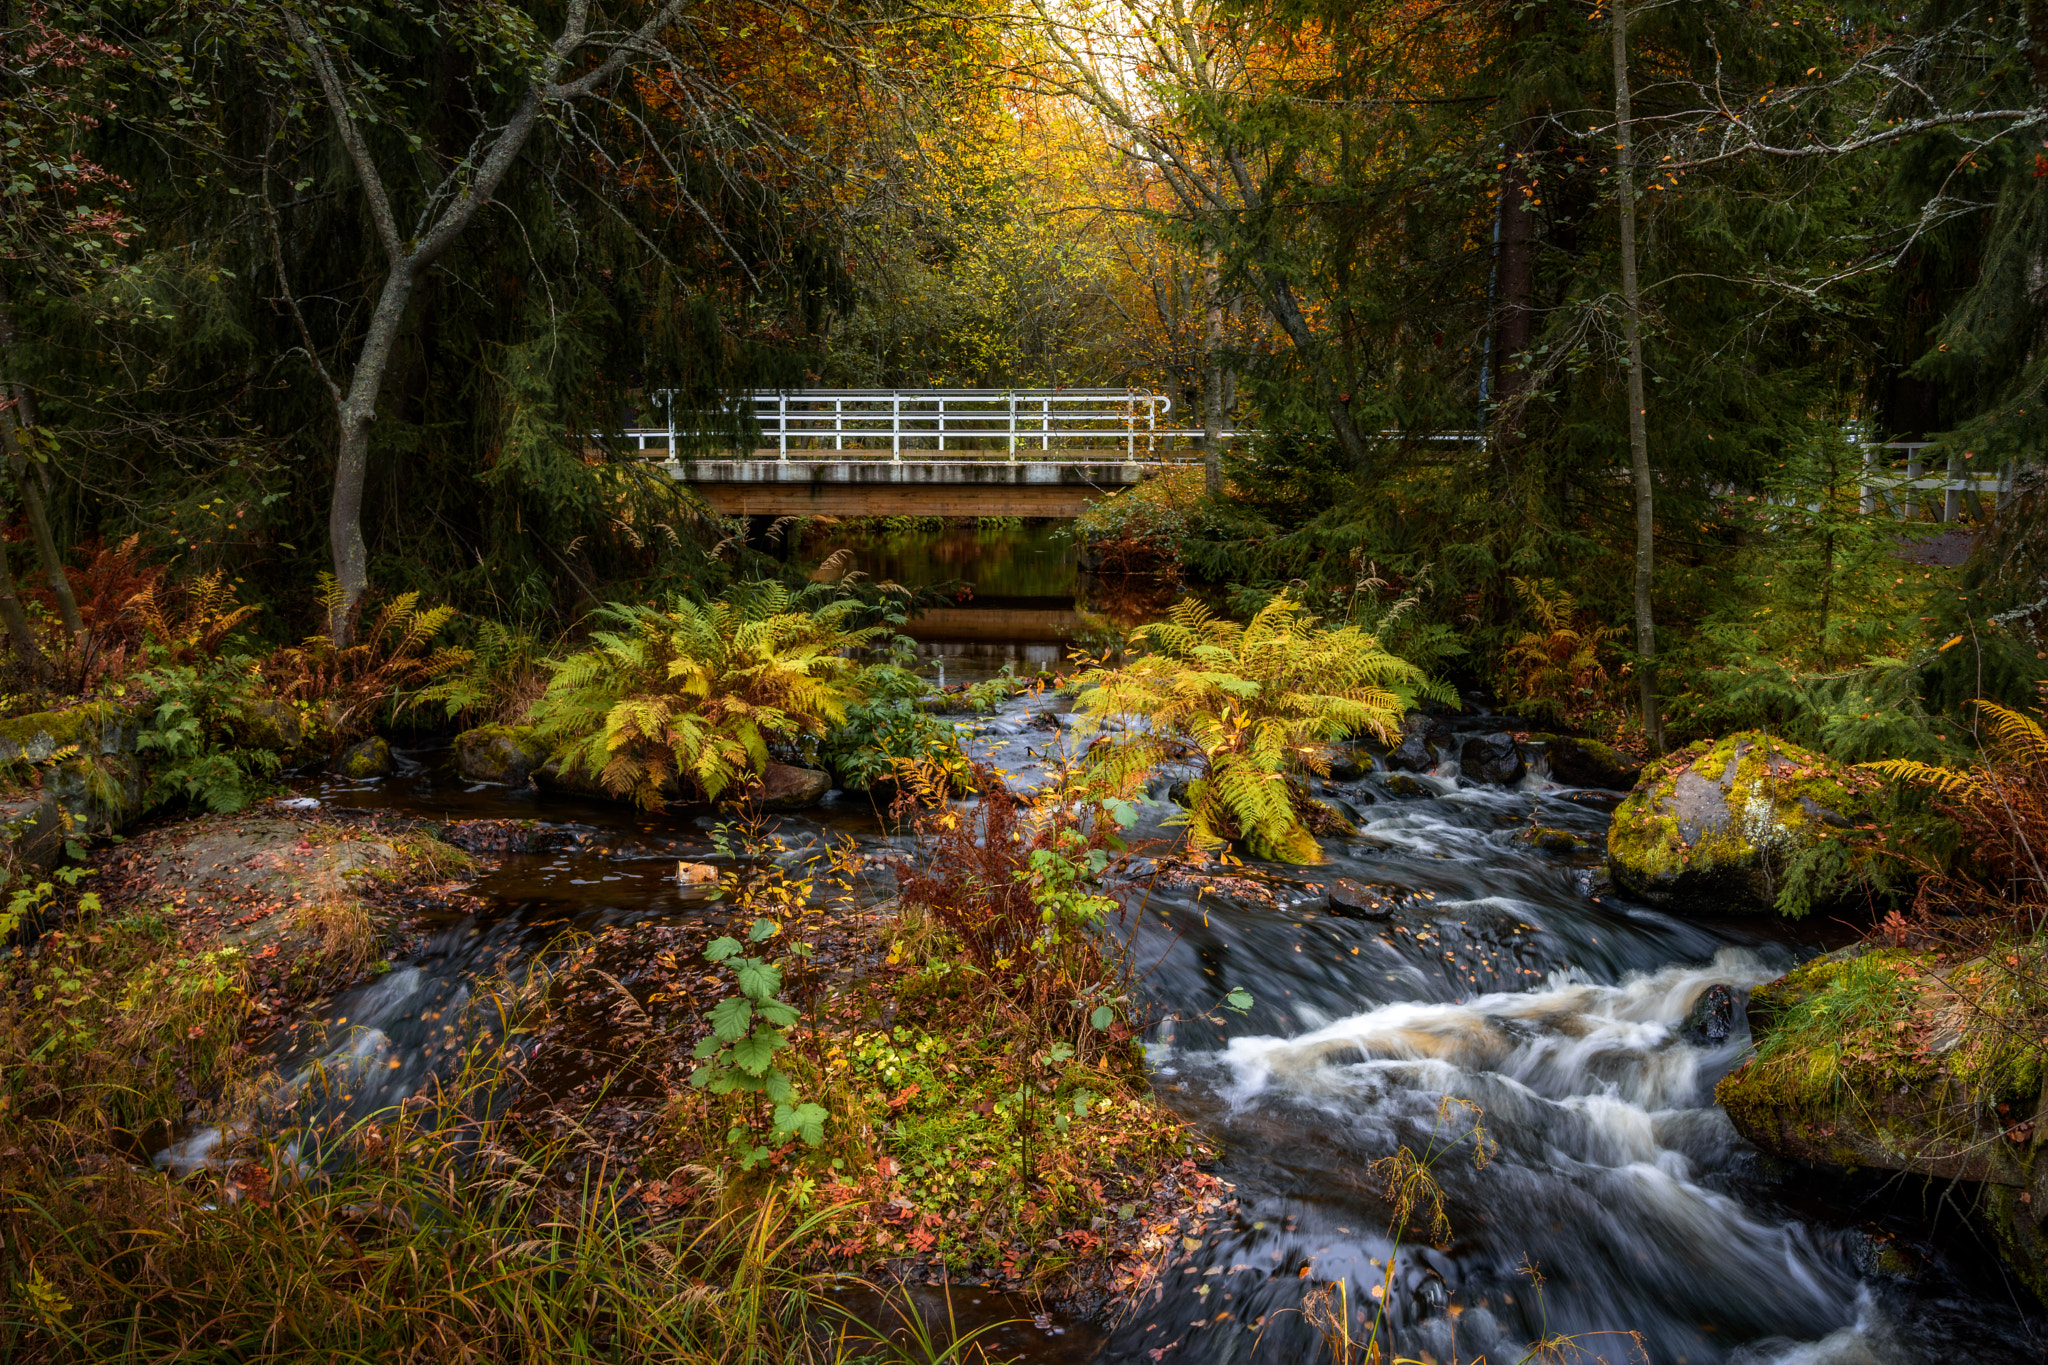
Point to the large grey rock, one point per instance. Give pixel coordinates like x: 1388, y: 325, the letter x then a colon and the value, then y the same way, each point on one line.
x: 1717, y: 825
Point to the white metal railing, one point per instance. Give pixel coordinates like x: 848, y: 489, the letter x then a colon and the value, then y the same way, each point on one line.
x: 962, y: 423
x: 1046, y: 423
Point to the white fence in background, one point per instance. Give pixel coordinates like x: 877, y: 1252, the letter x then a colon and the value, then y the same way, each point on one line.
x: 1012, y: 424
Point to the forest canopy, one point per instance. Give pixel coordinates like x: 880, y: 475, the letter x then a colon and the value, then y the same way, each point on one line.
x: 373, y: 291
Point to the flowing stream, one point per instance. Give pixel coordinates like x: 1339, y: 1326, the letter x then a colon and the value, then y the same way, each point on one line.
x: 1608, y: 1199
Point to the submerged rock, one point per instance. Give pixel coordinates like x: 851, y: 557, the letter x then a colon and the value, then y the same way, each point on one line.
x: 371, y: 758
x: 513, y: 836
x: 1712, y: 1020
x: 503, y: 754
x: 1551, y: 840
x: 1578, y: 762
x: 1364, y: 900
x: 1718, y: 825
x: 1492, y: 759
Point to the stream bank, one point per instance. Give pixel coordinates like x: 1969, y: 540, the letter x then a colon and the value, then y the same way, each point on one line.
x: 1460, y: 981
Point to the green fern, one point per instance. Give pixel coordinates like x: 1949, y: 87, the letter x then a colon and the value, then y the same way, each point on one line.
x: 690, y: 698
x: 1248, y: 704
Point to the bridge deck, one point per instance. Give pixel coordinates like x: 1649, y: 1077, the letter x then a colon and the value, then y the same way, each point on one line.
x: 918, y: 486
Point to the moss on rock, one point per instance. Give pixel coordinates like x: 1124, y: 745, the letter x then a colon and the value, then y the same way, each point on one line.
x: 504, y: 754
x: 94, y: 728
x: 1551, y: 840
x: 1721, y: 825
x: 1907, y: 1060
x: 371, y: 758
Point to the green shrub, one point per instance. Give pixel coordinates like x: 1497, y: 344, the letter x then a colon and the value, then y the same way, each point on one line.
x: 199, y: 733
x: 888, y: 731
x: 1143, y: 528
x: 692, y: 696
x: 1245, y: 704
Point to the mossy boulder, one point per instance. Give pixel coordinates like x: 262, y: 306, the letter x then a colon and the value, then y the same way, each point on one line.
x: 371, y: 758
x: 1901, y: 1059
x: 1718, y: 825
x: 80, y: 776
x: 272, y: 724
x: 1576, y: 762
x: 504, y: 754
x: 94, y: 728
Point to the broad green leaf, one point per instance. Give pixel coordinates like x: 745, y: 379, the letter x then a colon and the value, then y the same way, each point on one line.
x: 1102, y: 1016
x: 775, y: 1085
x: 1239, y: 999
x: 753, y: 1053
x: 762, y: 929
x: 731, y: 1018
x: 720, y: 949
x: 777, y: 1013
x: 1125, y: 813
x: 805, y: 1121
x: 760, y: 980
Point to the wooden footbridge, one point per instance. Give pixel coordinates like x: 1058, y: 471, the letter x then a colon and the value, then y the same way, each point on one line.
x: 1046, y: 453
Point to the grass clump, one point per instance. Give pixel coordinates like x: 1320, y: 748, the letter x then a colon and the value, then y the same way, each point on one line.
x: 980, y: 1102
x: 109, y: 1028
x: 442, y: 1229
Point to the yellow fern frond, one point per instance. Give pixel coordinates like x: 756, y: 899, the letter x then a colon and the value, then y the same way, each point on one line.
x: 1947, y: 781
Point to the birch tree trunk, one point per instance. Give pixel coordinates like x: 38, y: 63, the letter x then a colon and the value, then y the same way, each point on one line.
x: 1638, y: 440
x: 459, y: 197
